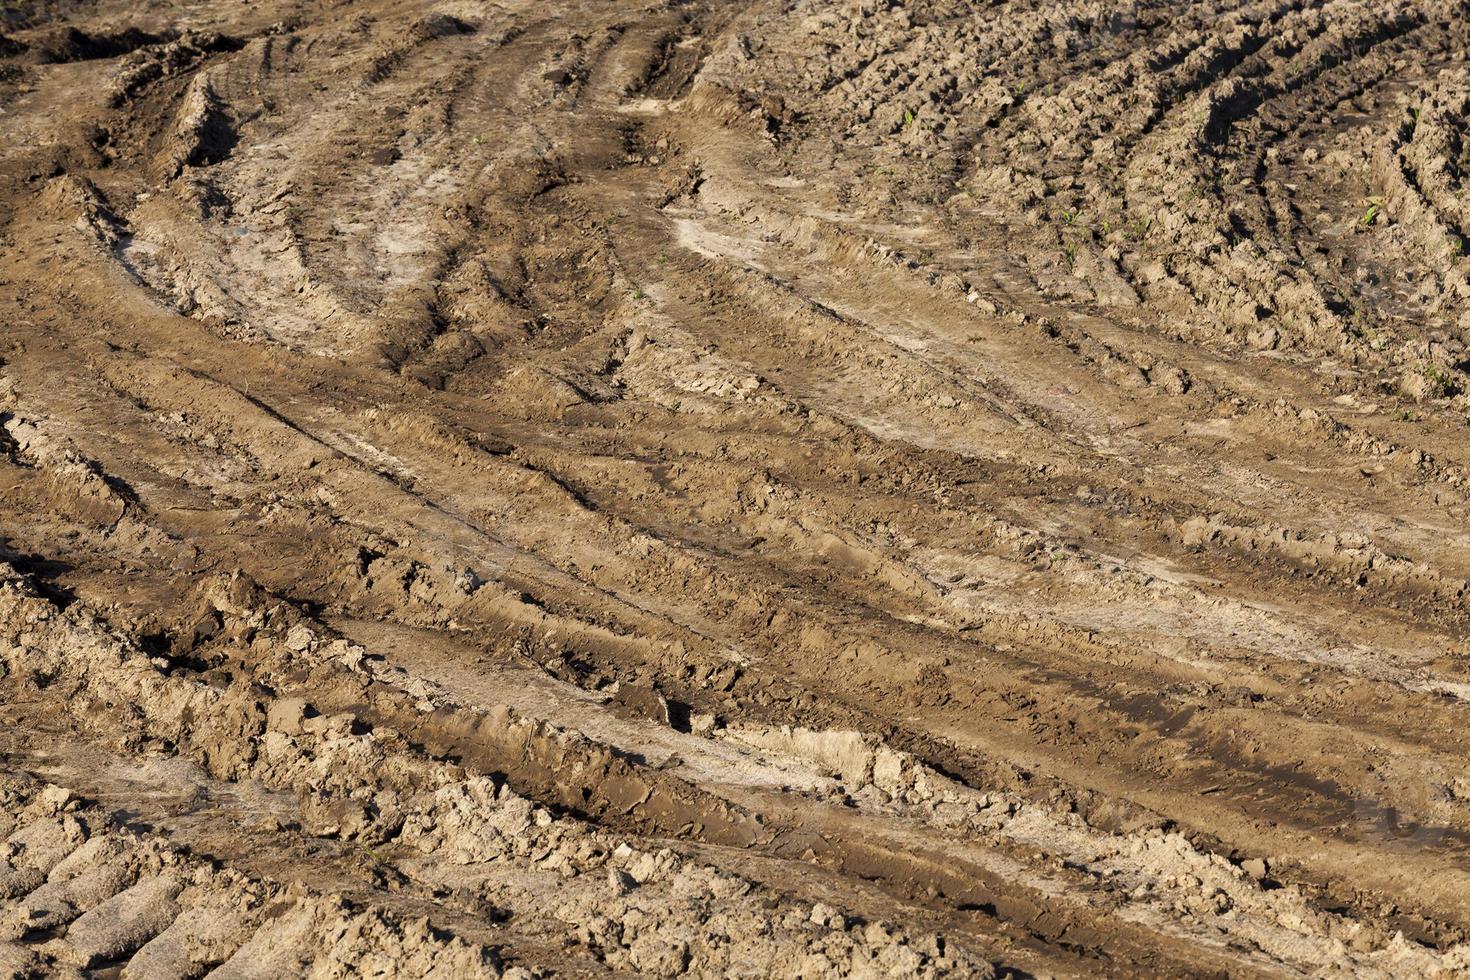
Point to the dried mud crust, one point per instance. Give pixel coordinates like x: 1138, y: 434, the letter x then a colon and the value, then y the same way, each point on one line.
x: 84, y: 891
x: 757, y: 489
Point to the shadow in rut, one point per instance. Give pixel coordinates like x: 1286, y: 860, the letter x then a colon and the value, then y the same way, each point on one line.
x: 43, y: 573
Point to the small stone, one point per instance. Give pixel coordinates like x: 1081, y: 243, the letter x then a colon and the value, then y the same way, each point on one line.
x: 468, y: 581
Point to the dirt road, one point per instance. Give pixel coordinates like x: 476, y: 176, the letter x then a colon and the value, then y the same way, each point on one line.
x: 770, y: 488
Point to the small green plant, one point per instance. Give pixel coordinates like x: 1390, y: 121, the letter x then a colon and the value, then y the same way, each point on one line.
x: 639, y: 294
x: 1441, y: 385
x: 1356, y: 327
x: 908, y: 117
x: 1370, y: 216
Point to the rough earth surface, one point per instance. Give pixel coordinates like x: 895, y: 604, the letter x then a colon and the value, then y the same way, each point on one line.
x: 852, y: 488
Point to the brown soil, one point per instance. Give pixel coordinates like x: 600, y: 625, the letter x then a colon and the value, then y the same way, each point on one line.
x: 818, y: 488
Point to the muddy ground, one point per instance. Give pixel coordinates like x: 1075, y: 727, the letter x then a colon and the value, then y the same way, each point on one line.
x: 856, y: 488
